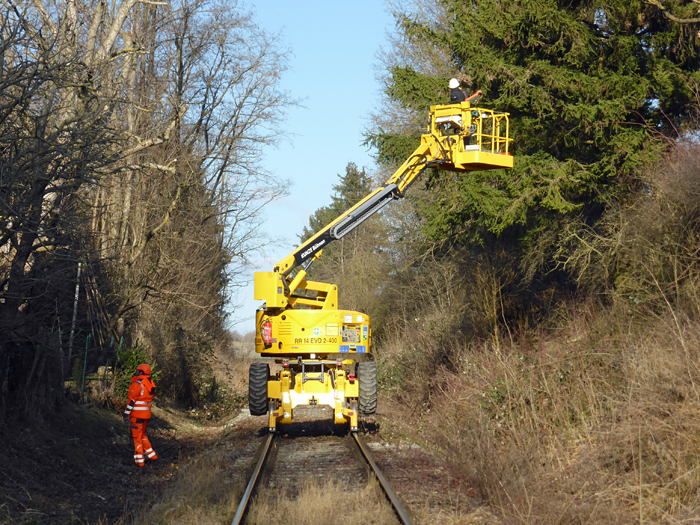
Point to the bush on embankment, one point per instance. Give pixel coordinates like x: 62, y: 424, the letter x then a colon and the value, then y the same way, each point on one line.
x: 586, y: 412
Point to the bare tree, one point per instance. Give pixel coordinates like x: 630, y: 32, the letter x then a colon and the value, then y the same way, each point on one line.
x: 132, y: 137
x: 55, y: 138
x: 181, y: 219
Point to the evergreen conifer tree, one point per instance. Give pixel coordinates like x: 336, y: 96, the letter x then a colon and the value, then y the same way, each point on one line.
x: 595, y: 90
x: 351, y: 188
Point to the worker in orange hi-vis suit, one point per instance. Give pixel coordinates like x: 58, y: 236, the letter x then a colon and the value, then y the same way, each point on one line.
x: 138, y: 411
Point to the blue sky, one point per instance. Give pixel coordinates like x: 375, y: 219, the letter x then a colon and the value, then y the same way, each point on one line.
x: 333, y: 71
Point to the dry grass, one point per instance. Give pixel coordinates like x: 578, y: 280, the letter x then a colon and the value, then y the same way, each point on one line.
x: 203, y: 492
x: 595, y: 423
x: 323, y: 502
x: 231, y: 367
x: 443, y: 510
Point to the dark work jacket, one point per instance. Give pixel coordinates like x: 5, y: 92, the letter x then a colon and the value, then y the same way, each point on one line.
x: 457, y: 95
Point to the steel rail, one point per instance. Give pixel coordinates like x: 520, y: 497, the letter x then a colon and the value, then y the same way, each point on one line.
x: 393, y: 499
x: 398, y: 509
x: 243, y: 505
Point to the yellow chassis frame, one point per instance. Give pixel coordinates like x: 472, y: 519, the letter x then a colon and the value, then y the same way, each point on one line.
x: 314, y: 388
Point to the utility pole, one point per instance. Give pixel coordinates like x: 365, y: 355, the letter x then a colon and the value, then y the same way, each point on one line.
x: 75, y: 313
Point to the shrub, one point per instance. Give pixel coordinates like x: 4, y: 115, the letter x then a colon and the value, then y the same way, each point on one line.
x: 125, y: 368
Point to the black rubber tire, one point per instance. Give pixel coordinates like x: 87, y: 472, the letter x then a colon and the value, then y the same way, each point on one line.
x: 367, y: 376
x: 257, y: 388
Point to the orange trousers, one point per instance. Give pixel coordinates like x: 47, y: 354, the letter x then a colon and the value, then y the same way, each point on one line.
x: 142, y: 445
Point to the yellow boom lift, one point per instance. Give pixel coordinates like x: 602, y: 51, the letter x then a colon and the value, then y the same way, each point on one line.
x: 324, y: 352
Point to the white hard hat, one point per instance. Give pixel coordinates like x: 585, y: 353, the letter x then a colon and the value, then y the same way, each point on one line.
x: 454, y: 83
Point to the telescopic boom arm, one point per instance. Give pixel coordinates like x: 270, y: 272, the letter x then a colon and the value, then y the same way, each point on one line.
x: 459, y: 138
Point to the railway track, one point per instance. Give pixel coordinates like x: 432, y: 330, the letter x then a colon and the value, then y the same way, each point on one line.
x: 288, y: 459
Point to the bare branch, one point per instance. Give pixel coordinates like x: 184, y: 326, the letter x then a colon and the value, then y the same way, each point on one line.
x: 116, y: 27
x: 144, y: 241
x: 657, y: 3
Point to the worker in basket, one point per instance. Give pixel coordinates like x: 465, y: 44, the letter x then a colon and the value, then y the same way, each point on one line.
x: 456, y: 94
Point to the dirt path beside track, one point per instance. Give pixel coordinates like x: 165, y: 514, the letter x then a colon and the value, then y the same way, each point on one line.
x: 77, y: 465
